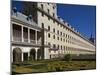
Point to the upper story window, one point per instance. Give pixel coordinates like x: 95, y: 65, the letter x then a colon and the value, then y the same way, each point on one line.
x: 49, y: 35
x: 42, y: 13
x: 60, y: 25
x: 58, y: 38
x: 53, y: 7
x: 61, y: 39
x: 53, y: 15
x: 63, y: 27
x: 58, y: 46
x: 42, y: 6
x: 53, y: 36
x: 68, y: 36
x: 61, y: 47
x: 54, y: 46
x: 54, y: 30
x: 58, y: 32
x: 49, y: 28
x: 64, y: 47
x: 57, y: 23
x: 42, y: 25
x: 68, y: 41
x: 53, y: 21
x: 49, y: 44
x: 64, y: 40
x: 48, y: 11
x: 48, y: 18
x: 64, y: 34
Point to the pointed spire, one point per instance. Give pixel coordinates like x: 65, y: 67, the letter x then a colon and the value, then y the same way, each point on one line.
x: 92, y: 38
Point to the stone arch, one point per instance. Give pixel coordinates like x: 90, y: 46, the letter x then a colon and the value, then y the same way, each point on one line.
x: 32, y: 54
x: 17, y: 55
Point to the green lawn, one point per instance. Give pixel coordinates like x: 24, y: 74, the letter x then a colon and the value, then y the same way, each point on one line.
x: 52, y: 66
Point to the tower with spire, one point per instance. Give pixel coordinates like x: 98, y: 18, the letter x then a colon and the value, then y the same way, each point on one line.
x: 92, y: 39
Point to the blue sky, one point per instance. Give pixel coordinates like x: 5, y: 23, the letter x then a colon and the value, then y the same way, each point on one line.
x: 81, y: 17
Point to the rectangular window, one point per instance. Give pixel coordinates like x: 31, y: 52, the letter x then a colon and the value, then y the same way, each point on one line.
x: 58, y: 46
x: 54, y: 30
x: 49, y: 35
x: 42, y: 25
x: 58, y: 38
x: 53, y: 36
x: 53, y: 7
x: 48, y: 18
x: 42, y: 6
x: 54, y: 46
x: 64, y: 40
x: 49, y: 28
x: 58, y: 32
x: 49, y: 44
x: 57, y: 23
x: 61, y: 47
x: 42, y: 14
x: 48, y: 11
x: 61, y: 39
x: 64, y: 47
x: 64, y: 34
x: 68, y: 36
x: 53, y: 15
x: 53, y: 21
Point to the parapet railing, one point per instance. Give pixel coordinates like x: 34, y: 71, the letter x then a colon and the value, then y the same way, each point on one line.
x: 31, y: 41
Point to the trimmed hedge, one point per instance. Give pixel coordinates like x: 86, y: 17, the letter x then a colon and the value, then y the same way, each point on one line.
x: 67, y: 57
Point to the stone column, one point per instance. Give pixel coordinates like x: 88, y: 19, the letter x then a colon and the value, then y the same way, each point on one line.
x: 12, y: 32
x: 45, y: 36
x: 36, y: 50
x: 36, y: 36
x: 22, y: 56
x: 12, y: 56
x: 28, y: 35
x: 22, y: 34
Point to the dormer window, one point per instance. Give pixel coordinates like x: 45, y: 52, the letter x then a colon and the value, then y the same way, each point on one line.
x: 29, y: 18
x: 15, y: 10
x: 53, y: 15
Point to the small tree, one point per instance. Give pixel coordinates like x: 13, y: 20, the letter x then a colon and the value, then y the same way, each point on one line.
x: 67, y: 57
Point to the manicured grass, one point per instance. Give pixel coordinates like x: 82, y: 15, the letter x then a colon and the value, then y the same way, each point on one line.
x: 52, y: 66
